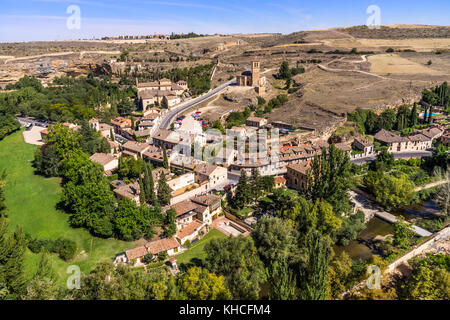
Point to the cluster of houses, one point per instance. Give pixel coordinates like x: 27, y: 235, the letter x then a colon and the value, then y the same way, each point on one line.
x: 162, y: 93
x: 194, y: 218
x: 419, y: 140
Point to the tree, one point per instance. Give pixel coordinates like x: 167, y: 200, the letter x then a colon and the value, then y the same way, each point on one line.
x: 42, y: 286
x: 339, y: 273
x: 164, y: 191
x: 149, y: 184
x: 91, y: 140
x: 171, y: 226
x: 125, y: 220
x: 274, y: 239
x: 165, y: 159
x: 387, y: 120
x: 46, y: 161
x: 218, y: 125
x: 440, y: 158
x: 243, y: 192
x: 413, y: 116
x: 442, y: 197
x: 130, y: 168
x: 12, y: 251
x: 2, y: 194
x: 314, y: 274
x: 329, y: 178
x: 421, y: 285
x: 383, y: 161
x: 199, y: 284
x: 142, y: 194
x: 390, y: 191
x: 255, y: 184
x: 237, y: 260
x: 403, y: 233
x: 284, y: 71
x: 350, y: 228
x: 282, y: 281
x: 403, y: 115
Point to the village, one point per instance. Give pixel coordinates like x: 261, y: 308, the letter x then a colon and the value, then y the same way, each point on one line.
x: 201, y: 165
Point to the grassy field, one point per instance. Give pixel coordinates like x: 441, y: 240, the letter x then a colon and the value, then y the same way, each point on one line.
x: 394, y: 64
x: 197, y: 251
x: 31, y: 201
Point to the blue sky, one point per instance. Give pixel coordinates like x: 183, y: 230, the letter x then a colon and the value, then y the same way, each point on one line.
x: 29, y: 20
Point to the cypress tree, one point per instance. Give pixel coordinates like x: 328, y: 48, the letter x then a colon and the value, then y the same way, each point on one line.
x: 165, y: 159
x: 164, y: 192
x: 142, y: 193
x: 243, y: 192
x: 149, y: 184
x: 413, y: 116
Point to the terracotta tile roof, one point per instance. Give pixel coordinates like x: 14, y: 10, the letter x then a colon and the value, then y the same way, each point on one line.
x: 161, y: 245
x: 206, y: 200
x: 280, y: 180
x: 343, y: 146
x: 136, y: 146
x: 136, y: 253
x: 300, y: 167
x: 189, y: 229
x: 129, y: 191
x: 364, y: 142
x: 121, y: 122
x: 102, y: 158
x: 431, y: 132
x: 176, y: 87
x: 146, y: 94
x: 205, y: 168
x: 184, y: 207
x: 388, y: 137
x: 418, y: 138
x: 148, y: 84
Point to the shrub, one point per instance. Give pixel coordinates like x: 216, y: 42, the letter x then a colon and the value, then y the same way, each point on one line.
x: 148, y: 258
x: 163, y: 256
x: 187, y: 244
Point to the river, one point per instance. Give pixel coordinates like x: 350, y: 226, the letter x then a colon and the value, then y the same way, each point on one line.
x: 361, y: 247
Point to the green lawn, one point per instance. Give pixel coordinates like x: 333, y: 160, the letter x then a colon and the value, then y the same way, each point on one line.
x: 197, y: 250
x: 31, y: 201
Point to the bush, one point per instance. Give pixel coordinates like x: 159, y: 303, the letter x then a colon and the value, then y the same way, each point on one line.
x: 65, y: 248
x: 187, y: 244
x: 163, y: 256
x: 148, y: 258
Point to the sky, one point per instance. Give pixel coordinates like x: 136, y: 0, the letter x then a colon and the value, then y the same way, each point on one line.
x: 34, y: 20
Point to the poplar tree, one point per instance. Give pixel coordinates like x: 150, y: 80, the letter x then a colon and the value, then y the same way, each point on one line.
x: 314, y: 275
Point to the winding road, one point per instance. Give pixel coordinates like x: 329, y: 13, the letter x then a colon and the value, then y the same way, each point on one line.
x: 173, y: 113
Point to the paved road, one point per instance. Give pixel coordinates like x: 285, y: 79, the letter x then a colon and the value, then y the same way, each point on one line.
x: 400, y: 155
x: 172, y: 114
